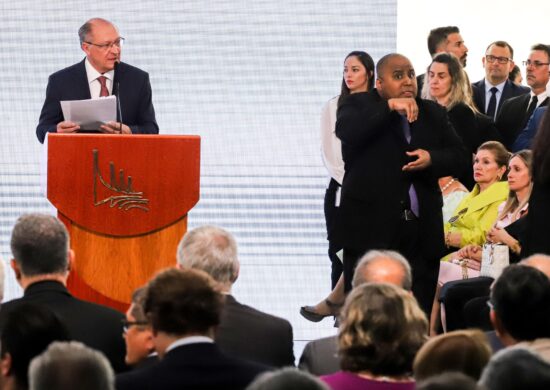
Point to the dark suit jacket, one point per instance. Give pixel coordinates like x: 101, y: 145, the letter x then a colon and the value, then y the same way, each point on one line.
x: 510, y: 90
x: 193, y: 366
x: 375, y: 187
x: 320, y: 357
x: 250, y: 334
x: 513, y: 117
x: 97, y: 326
x: 524, y: 139
x: 71, y: 83
x: 537, y: 220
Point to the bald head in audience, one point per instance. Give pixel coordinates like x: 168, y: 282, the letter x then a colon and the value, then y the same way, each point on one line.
x: 383, y: 266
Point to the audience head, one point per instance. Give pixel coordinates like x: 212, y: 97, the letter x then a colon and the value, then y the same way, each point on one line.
x: 100, y: 40
x: 383, y: 266
x: 212, y: 250
x: 490, y: 163
x: 447, y: 40
x: 71, y: 365
x: 180, y: 303
x: 515, y: 75
x: 287, y: 378
x: 137, y: 331
x: 382, y: 328
x: 516, y: 368
x: 498, y: 62
x: 520, y: 304
x: 447, y: 82
x: 395, y: 77
x: 519, y: 181
x: 28, y: 330
x: 40, y: 246
x: 448, y: 381
x: 538, y: 261
x: 537, y: 68
x: 358, y: 73
x: 465, y: 351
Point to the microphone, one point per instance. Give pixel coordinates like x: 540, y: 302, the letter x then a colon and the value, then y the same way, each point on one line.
x: 117, y: 94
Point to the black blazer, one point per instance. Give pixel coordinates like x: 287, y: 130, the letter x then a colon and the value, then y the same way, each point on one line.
x: 375, y: 186
x: 510, y: 90
x: 513, y: 118
x: 537, y: 221
x: 97, y: 326
x: 72, y: 84
x: 250, y: 334
x: 193, y: 366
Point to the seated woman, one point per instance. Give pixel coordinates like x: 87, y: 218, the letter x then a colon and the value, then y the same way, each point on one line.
x: 508, y: 230
x: 475, y: 215
x: 453, y: 191
x: 381, y: 331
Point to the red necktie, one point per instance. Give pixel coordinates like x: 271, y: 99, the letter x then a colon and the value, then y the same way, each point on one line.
x: 104, y: 91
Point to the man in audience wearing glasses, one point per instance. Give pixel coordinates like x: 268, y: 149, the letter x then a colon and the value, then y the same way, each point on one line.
x: 495, y: 88
x: 100, y: 74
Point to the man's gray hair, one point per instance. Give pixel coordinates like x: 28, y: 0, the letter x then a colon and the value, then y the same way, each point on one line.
x: 287, y: 378
x: 70, y: 365
x: 86, y: 28
x: 212, y: 250
x: 40, y: 245
x: 516, y: 368
x: 362, y: 273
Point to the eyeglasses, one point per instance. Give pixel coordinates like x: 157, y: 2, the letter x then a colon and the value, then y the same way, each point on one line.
x: 500, y: 60
x: 536, y: 64
x: 455, y: 218
x: 126, y: 324
x: 108, y: 46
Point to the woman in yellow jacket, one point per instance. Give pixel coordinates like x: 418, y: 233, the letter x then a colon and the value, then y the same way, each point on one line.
x: 475, y: 215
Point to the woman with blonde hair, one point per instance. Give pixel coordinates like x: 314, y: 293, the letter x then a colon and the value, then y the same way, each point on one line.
x: 382, y: 328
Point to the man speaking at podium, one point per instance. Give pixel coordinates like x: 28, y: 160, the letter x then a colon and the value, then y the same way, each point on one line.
x: 100, y: 74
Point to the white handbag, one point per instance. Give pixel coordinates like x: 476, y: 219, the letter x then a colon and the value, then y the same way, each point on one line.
x: 494, y: 258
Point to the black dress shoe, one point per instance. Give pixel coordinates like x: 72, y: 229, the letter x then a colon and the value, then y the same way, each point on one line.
x: 309, y: 313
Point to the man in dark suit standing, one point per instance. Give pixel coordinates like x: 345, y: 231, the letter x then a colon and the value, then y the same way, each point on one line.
x: 243, y: 331
x: 42, y: 261
x: 516, y: 111
x: 495, y: 88
x: 395, y: 148
x: 184, y: 307
x: 100, y: 74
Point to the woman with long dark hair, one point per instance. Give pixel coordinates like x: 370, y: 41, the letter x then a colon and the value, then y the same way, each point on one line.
x: 358, y: 76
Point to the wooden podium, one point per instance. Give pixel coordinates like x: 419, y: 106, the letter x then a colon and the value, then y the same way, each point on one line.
x: 124, y: 200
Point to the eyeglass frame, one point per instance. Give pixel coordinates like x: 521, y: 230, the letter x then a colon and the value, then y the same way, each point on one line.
x: 536, y: 64
x: 501, y: 60
x: 127, y: 324
x: 119, y: 42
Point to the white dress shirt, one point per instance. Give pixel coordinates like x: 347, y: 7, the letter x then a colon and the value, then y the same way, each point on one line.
x: 93, y: 82
x: 331, y: 146
x: 488, y: 94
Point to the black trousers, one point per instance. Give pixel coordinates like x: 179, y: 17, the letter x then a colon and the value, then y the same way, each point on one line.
x: 330, y: 217
x: 407, y: 242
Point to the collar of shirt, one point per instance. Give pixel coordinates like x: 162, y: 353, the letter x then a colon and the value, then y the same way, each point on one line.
x: 189, y: 340
x: 92, y: 74
x: 488, y: 87
x: 540, y: 97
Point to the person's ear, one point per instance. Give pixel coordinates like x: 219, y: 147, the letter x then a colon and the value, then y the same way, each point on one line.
x: 5, y: 365
x: 16, y: 269
x: 70, y: 260
x: 378, y: 83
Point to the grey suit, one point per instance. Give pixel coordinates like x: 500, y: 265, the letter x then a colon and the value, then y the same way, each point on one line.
x: 320, y: 357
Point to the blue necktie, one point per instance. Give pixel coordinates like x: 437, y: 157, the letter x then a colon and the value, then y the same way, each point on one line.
x: 413, y: 198
x: 491, y: 108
